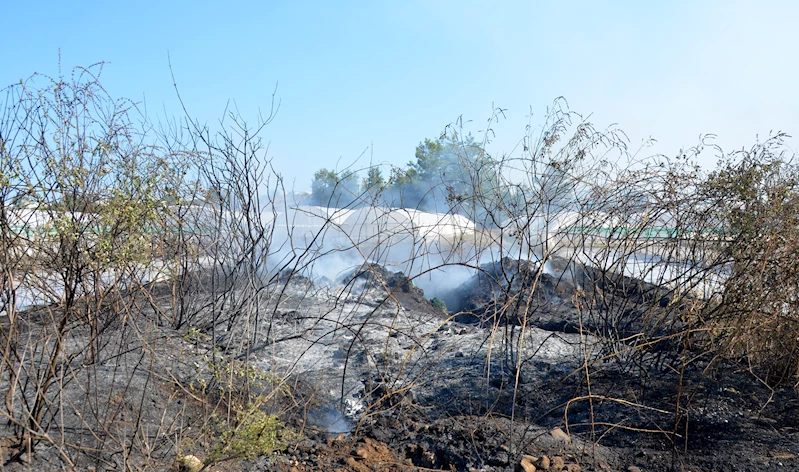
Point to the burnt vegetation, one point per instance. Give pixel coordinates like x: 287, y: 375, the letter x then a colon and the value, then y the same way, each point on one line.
x: 166, y: 303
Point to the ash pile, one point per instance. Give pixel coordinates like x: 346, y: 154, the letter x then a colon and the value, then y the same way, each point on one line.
x: 388, y: 288
x: 562, y: 296
x: 375, y: 341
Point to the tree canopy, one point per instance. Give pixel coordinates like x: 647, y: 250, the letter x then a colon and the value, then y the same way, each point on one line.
x: 446, y: 174
x: 333, y: 189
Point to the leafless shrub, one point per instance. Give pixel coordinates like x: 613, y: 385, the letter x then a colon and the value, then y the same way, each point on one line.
x: 657, y: 257
x: 82, y: 197
x: 140, y: 265
x: 755, y: 194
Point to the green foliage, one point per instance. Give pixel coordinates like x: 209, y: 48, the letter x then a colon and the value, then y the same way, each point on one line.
x: 447, y: 172
x: 87, y: 162
x: 447, y: 161
x: 756, y: 197
x: 439, y: 305
x: 402, y: 178
x: 231, y: 380
x: 333, y: 189
x: 194, y: 335
x: 243, y: 391
x: 374, y: 181
x: 253, y: 434
x: 433, y: 158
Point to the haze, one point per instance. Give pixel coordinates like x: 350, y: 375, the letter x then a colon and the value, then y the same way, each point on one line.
x: 361, y: 81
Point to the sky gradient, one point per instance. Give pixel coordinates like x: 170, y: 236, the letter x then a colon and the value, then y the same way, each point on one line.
x: 350, y: 75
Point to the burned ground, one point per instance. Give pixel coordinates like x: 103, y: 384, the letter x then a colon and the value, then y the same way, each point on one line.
x: 398, y: 288
x: 373, y: 377
x: 563, y: 296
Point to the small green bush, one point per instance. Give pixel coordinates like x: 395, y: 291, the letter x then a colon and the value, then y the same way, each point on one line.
x: 440, y: 305
x: 256, y: 434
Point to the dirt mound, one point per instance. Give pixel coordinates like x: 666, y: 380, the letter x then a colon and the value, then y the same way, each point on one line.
x: 511, y: 291
x: 293, y: 276
x: 339, y: 454
x: 396, y: 285
x: 487, y: 443
x: 562, y: 296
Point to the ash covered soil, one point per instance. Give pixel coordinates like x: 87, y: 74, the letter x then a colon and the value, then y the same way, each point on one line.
x: 518, y: 375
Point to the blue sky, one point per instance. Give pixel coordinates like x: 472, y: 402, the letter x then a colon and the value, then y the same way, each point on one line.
x: 352, y: 74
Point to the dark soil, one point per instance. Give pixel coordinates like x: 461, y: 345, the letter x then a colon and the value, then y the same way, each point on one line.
x: 731, y: 430
x: 398, y: 288
x: 568, y: 298
x: 649, y: 411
